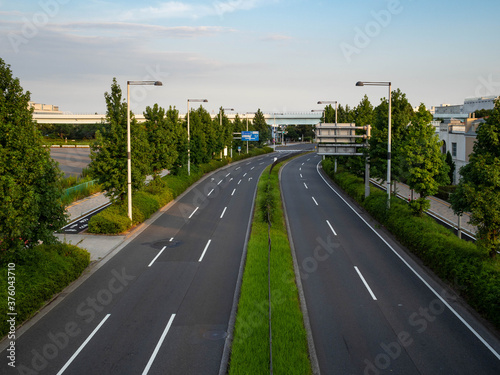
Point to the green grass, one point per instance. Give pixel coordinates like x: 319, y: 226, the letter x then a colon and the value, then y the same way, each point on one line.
x: 250, y: 350
x: 45, y: 271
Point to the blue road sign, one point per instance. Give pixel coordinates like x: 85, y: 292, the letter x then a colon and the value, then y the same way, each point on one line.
x: 249, y: 135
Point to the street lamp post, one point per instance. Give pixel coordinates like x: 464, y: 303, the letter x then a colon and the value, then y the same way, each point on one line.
x: 189, y: 138
x: 129, y: 157
x: 330, y: 102
x: 362, y: 83
x: 220, y: 117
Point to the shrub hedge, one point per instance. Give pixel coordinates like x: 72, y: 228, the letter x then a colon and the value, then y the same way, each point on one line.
x: 154, y: 196
x: 462, y: 264
x: 46, y: 271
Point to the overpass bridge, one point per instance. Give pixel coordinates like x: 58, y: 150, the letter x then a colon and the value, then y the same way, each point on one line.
x: 278, y: 119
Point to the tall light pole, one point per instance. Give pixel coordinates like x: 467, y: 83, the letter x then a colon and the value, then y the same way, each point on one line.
x: 330, y: 102
x: 129, y: 153
x: 362, y: 83
x: 220, y: 117
x: 189, y: 138
x: 320, y: 110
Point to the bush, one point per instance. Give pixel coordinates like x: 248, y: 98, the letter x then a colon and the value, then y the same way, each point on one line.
x: 47, y: 271
x: 460, y: 263
x: 112, y: 220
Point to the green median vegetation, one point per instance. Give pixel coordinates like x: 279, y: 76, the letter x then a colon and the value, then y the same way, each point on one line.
x: 250, y: 349
x: 152, y: 197
x: 44, y: 271
x: 463, y: 265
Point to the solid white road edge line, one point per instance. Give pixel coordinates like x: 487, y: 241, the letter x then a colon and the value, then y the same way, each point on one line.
x: 366, y: 284
x: 83, y: 345
x: 156, y: 257
x: 204, y: 251
x: 157, y: 349
x: 480, y: 338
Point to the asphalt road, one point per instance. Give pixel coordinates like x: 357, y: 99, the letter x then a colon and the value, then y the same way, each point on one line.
x: 162, y: 304
x: 369, y: 311
x: 71, y: 160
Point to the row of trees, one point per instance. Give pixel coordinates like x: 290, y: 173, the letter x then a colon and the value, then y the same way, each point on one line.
x: 418, y: 161
x: 415, y: 151
x: 161, y: 142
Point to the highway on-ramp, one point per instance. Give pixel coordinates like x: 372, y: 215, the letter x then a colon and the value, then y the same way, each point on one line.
x: 162, y: 304
x: 371, y: 308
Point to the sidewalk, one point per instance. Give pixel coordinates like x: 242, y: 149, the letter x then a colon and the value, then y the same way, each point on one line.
x: 97, y: 245
x: 439, y: 207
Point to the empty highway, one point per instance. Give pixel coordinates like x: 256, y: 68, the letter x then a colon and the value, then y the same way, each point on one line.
x: 372, y: 309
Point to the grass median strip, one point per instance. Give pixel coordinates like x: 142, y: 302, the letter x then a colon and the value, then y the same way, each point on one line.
x: 250, y: 349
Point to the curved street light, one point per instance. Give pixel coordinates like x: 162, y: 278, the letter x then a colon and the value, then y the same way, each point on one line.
x: 363, y: 83
x: 129, y: 157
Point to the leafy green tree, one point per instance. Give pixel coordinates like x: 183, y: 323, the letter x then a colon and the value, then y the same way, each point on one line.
x: 179, y: 130
x: 161, y: 138
x: 225, y: 131
x: 198, y: 143
x: 401, y: 114
x: 421, y: 160
x: 451, y: 165
x: 238, y: 126
x: 478, y: 191
x: 260, y: 125
x: 30, y: 180
x: 363, y: 113
x: 109, y: 152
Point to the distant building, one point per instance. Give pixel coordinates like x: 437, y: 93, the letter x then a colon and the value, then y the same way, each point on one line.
x: 458, y: 138
x: 39, y: 108
x: 464, y: 111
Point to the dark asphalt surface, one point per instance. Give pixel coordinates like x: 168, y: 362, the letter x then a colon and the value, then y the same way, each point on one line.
x: 392, y: 325
x: 170, y: 316
x: 71, y: 160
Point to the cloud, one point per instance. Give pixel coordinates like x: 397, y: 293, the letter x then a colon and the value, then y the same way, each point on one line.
x: 177, y: 9
x: 133, y: 29
x: 276, y: 38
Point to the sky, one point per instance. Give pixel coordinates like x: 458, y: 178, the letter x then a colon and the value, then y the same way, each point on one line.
x: 273, y: 55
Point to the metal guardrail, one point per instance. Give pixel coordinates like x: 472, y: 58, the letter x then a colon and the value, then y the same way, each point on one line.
x: 77, y: 188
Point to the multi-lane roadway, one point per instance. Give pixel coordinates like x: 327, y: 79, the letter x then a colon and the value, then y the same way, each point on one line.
x: 162, y: 304
x: 372, y: 309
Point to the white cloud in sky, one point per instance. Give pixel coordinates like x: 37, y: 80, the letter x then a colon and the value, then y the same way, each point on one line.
x: 177, y: 9
x: 276, y: 38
